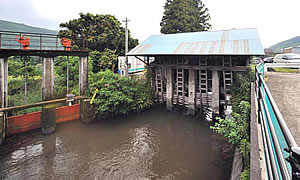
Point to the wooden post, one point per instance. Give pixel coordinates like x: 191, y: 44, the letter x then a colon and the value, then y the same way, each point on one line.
x: 169, y: 89
x: 3, y: 97
x: 83, y: 74
x: 192, y: 93
x: 48, y: 79
x: 215, y: 92
x: 86, y: 111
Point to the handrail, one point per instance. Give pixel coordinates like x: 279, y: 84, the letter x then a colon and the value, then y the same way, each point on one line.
x: 268, y: 112
x: 13, y: 108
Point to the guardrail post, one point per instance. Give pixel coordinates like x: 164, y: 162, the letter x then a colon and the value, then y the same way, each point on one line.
x: 294, y: 160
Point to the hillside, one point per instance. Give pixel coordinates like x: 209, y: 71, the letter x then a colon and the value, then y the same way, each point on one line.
x: 11, y: 26
x: 295, y: 41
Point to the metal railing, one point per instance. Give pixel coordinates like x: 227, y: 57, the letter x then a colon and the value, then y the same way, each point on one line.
x: 280, y: 147
x: 37, y: 41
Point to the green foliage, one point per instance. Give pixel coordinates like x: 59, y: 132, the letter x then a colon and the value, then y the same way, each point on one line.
x: 98, y: 32
x: 118, y: 95
x: 245, y: 174
x: 236, y: 127
x: 104, y: 60
x: 184, y: 16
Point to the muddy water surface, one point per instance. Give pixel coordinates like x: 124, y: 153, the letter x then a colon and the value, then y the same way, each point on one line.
x: 154, y: 144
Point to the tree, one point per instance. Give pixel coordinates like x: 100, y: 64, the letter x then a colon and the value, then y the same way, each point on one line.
x: 184, y: 16
x: 97, y: 32
x: 104, y: 60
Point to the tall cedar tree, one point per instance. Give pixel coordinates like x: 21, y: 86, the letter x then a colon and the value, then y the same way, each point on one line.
x: 97, y: 32
x: 184, y: 16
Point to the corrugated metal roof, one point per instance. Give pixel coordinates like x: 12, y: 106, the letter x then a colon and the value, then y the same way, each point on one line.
x: 229, y: 42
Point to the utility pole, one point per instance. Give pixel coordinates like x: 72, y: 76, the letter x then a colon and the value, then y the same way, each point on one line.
x: 126, y: 46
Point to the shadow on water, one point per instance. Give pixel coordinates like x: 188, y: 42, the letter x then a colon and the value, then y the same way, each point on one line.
x: 154, y: 144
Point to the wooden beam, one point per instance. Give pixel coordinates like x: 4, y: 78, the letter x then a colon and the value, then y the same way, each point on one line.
x: 17, y: 108
x: 211, y: 68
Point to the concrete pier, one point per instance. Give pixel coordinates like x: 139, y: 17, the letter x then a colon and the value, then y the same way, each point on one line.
x: 169, y: 89
x: 48, y: 119
x: 86, y: 111
x: 215, y: 92
x: 48, y: 79
x: 83, y: 75
x: 192, y: 93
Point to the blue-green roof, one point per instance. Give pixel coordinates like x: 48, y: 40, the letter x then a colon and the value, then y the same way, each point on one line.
x: 229, y: 42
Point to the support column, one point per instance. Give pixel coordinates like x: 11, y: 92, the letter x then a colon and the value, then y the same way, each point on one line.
x: 215, y: 93
x: 192, y: 92
x: 169, y: 89
x: 86, y: 111
x: 48, y: 79
x: 48, y: 115
x: 3, y: 97
x: 83, y: 75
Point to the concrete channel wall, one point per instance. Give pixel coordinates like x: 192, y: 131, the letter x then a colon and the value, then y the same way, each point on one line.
x: 257, y: 158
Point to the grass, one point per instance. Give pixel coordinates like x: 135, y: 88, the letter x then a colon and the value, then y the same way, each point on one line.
x: 287, y: 70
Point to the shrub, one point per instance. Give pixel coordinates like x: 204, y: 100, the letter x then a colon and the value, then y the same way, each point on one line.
x: 118, y: 95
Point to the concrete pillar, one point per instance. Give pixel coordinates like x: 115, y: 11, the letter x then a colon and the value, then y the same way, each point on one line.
x: 3, y: 82
x: 83, y: 75
x: 215, y: 92
x: 86, y: 111
x: 192, y: 93
x: 48, y: 115
x: 169, y: 89
x: 3, y: 97
x: 48, y: 119
x: 48, y: 79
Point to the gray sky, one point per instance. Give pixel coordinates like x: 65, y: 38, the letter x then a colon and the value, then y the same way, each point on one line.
x: 276, y: 20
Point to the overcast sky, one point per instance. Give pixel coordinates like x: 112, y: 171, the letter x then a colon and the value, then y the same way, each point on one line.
x: 276, y: 20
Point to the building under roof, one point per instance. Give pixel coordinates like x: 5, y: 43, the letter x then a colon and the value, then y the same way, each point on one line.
x: 196, y: 70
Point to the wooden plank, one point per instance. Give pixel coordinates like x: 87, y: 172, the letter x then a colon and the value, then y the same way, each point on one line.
x: 211, y: 68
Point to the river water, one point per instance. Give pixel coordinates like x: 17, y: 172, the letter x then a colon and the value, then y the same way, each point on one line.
x: 154, y: 144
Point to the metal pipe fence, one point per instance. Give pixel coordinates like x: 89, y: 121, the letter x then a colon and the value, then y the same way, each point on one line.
x: 280, y: 147
x: 37, y: 41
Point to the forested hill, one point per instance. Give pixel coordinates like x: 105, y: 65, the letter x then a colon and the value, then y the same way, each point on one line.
x: 295, y: 41
x: 17, y: 27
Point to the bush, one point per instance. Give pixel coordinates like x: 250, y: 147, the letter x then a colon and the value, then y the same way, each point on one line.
x: 236, y: 128
x: 118, y: 95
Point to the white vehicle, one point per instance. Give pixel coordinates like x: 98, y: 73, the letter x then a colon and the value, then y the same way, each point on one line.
x: 134, y: 64
x: 287, y: 58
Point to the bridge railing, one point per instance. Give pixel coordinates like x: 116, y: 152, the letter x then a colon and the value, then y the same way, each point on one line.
x: 280, y: 147
x: 37, y: 41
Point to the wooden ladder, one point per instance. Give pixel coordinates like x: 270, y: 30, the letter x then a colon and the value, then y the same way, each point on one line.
x: 159, y: 88
x: 227, y: 75
x: 180, y: 86
x: 203, y: 84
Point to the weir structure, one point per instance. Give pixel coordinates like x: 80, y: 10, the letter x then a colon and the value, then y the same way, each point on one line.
x: 46, y: 46
x: 196, y: 70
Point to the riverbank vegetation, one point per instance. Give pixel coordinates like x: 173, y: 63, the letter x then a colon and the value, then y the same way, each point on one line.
x: 236, y: 127
x: 118, y: 95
